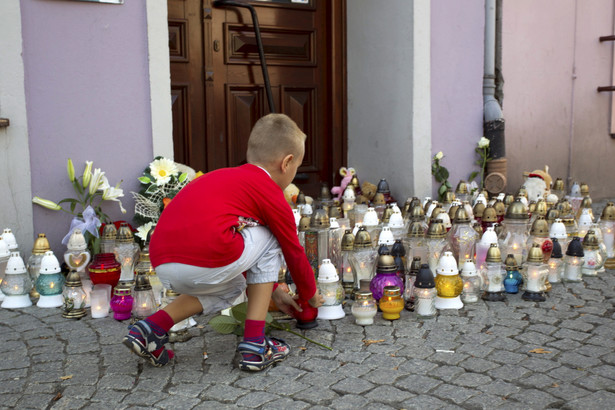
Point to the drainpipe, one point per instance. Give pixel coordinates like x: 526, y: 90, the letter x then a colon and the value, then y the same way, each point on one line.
x: 493, y: 120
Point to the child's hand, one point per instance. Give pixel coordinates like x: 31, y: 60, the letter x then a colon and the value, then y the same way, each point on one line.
x: 284, y: 301
x: 317, y: 300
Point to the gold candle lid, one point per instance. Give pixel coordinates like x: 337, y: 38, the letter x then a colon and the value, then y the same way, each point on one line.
x: 584, y: 189
x: 517, y: 210
x: 591, y: 240
x: 462, y: 187
x: 386, y: 263
x: 452, y: 211
x: 378, y: 199
x: 386, y: 215
x: 461, y: 216
x: 608, y: 213
x: 391, y: 291
x: 73, y: 280
x: 109, y: 231
x: 124, y: 234
x: 541, y: 207
x: 552, y: 215
x: 41, y: 245
x: 511, y: 262
x: 478, y: 209
x: 416, y: 230
x: 142, y: 282
x: 489, y: 214
x: 320, y: 219
x: 500, y: 207
x: 535, y: 254
x: 449, y: 196
x: 362, y: 239
x: 540, y: 227
x: 494, y: 254
x: 509, y: 199
x: 436, y: 230
x: 348, y: 241
x: 558, y: 185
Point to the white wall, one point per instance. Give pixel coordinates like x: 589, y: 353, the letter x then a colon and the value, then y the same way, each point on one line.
x: 389, y: 111
x: 15, y: 187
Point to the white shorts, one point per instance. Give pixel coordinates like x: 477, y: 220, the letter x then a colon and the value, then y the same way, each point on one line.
x: 217, y: 288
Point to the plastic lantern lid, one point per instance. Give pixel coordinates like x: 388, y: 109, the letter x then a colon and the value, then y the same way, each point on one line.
x: 9, y: 238
x: 371, y: 217
x: 386, y: 237
x: 469, y: 269
x: 15, y: 265
x: 297, y: 216
x: 447, y: 265
x: 489, y: 236
x: 575, y: 247
x: 395, y: 207
x: 396, y: 220
x: 398, y: 249
x: 557, y: 249
x: 576, y: 189
x: 76, y: 242
x: 558, y: 230
x: 493, y: 254
x: 585, y: 220
x: 349, y: 194
x: 333, y: 223
x: 327, y: 272
x: 49, y: 264
x: 481, y: 198
x: 424, y: 278
x: 4, y: 249
x: 444, y: 218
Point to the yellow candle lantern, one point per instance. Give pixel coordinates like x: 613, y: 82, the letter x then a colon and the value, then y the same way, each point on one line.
x: 391, y: 303
x: 448, y: 283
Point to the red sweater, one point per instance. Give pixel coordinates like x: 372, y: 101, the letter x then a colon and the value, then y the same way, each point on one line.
x: 197, y: 227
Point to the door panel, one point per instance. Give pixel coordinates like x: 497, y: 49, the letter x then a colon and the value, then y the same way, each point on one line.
x: 305, y: 61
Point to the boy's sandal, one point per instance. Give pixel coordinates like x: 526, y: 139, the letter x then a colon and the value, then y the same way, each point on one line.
x: 152, y: 343
x: 268, y: 351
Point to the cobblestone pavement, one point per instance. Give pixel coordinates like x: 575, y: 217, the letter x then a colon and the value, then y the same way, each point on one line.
x: 517, y: 354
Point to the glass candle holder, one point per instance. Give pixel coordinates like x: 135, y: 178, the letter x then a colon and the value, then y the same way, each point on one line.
x: 493, y: 275
x: 105, y: 269
x: 573, y: 261
x: 77, y: 255
x: 332, y: 292
x: 126, y: 252
x: 448, y: 283
x: 364, y: 308
x: 471, y: 282
x: 5, y: 255
x: 49, y: 282
x: 535, y: 273
x: 16, y: 284
x: 74, y: 297
x: 513, y: 278
x: 391, y: 303
x: 144, y: 302
x: 121, y: 302
x: 99, y: 303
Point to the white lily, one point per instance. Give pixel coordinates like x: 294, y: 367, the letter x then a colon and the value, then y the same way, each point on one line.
x: 96, y: 181
x: 87, y: 173
x: 143, y: 230
x: 46, y: 203
x: 113, y: 194
x: 439, y: 155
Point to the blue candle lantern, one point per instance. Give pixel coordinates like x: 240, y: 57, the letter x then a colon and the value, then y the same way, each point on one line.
x: 513, y: 278
x: 49, y: 282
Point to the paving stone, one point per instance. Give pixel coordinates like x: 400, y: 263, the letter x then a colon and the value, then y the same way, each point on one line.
x: 321, y: 380
x: 499, y: 388
x: 604, y: 371
x: 349, y: 402
x: 506, y: 357
x: 324, y: 396
x: 565, y: 344
x: 478, y: 365
x: 417, y: 366
x: 578, y: 360
x: 388, y: 394
x: 537, y: 364
x: 504, y: 343
x: 475, y: 350
x: 567, y: 374
x: 281, y: 404
x: 178, y: 402
x: 472, y: 380
x: 536, y: 398
x: 352, y: 385
x: 353, y: 370
x: 424, y: 401
x: 144, y: 398
x: 256, y: 399
x: 567, y: 391
x: 223, y: 393
x: 580, y: 325
x: 416, y: 383
x: 594, y: 382
x: 320, y: 365
x: 288, y: 388
x: 508, y: 372
x: 534, y: 338
x: 446, y: 373
x: 380, y: 376
x: 543, y: 328
x: 596, y: 401
x: 484, y: 402
x: 108, y: 396
x: 538, y: 380
x: 457, y: 394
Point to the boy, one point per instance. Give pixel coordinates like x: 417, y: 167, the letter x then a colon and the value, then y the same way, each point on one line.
x: 224, y: 223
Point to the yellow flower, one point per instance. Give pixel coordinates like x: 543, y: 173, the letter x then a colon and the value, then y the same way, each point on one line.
x: 87, y: 173
x: 162, y: 170
x: 46, y: 203
x: 70, y: 169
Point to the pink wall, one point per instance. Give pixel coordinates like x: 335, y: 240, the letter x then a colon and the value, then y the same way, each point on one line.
x: 553, y: 112
x: 457, y: 33
x: 87, y: 96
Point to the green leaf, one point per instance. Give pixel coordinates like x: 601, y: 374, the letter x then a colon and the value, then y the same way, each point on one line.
x: 144, y: 180
x: 78, y: 187
x: 72, y: 206
x: 151, y: 189
x: 448, y: 184
x: 240, y: 311
x: 442, y: 190
x: 183, y: 177
x: 224, y: 324
x: 72, y: 200
x: 472, y: 176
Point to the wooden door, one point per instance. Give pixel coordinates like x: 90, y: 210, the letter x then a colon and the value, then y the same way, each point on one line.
x: 218, y: 89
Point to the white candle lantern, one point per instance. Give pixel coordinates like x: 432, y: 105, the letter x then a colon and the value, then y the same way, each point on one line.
x: 16, y: 284
x: 493, y: 276
x: 77, y: 255
x: 448, y: 283
x: 558, y: 231
x: 415, y: 241
x: 607, y: 226
x: 444, y: 218
x: 539, y: 234
x: 49, y: 282
x: 331, y: 290
x: 107, y: 239
x: 425, y: 293
x: 535, y: 273
x: 10, y: 240
x: 371, y: 224
x: 513, y: 237
x: 335, y: 250
x: 585, y: 222
x: 386, y: 237
x: 363, y: 258
x: 349, y: 199
x: 144, y: 303
x: 463, y: 237
x: 41, y: 245
x: 573, y: 261
x: 364, y: 308
x: 318, y: 239
x: 593, y: 259
x: 126, y: 252
x: 397, y: 226
x: 345, y: 266
x: 5, y: 254
x: 556, y: 263
x: 482, y: 246
x: 436, y: 241
x: 471, y: 282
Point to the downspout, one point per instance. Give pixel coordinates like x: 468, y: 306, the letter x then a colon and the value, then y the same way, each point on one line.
x: 493, y: 120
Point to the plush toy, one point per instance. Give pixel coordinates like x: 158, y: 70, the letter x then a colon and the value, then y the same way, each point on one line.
x: 538, y: 184
x: 347, y: 174
x: 290, y: 193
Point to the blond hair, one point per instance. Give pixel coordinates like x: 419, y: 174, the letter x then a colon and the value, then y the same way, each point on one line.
x: 273, y: 137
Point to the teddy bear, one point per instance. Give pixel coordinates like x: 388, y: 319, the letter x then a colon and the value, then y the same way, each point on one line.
x: 538, y: 184
x: 347, y: 175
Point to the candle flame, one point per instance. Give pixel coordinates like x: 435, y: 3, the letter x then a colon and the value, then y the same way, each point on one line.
x: 51, y: 285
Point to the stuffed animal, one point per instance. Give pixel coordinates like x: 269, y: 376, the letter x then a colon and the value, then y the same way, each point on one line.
x: 347, y: 174
x: 538, y: 184
x: 290, y: 193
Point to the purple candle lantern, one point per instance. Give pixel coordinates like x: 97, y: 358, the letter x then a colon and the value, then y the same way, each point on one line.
x: 121, y: 302
x: 386, y: 275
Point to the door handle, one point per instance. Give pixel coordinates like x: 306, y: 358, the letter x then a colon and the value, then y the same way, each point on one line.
x: 4, y: 122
